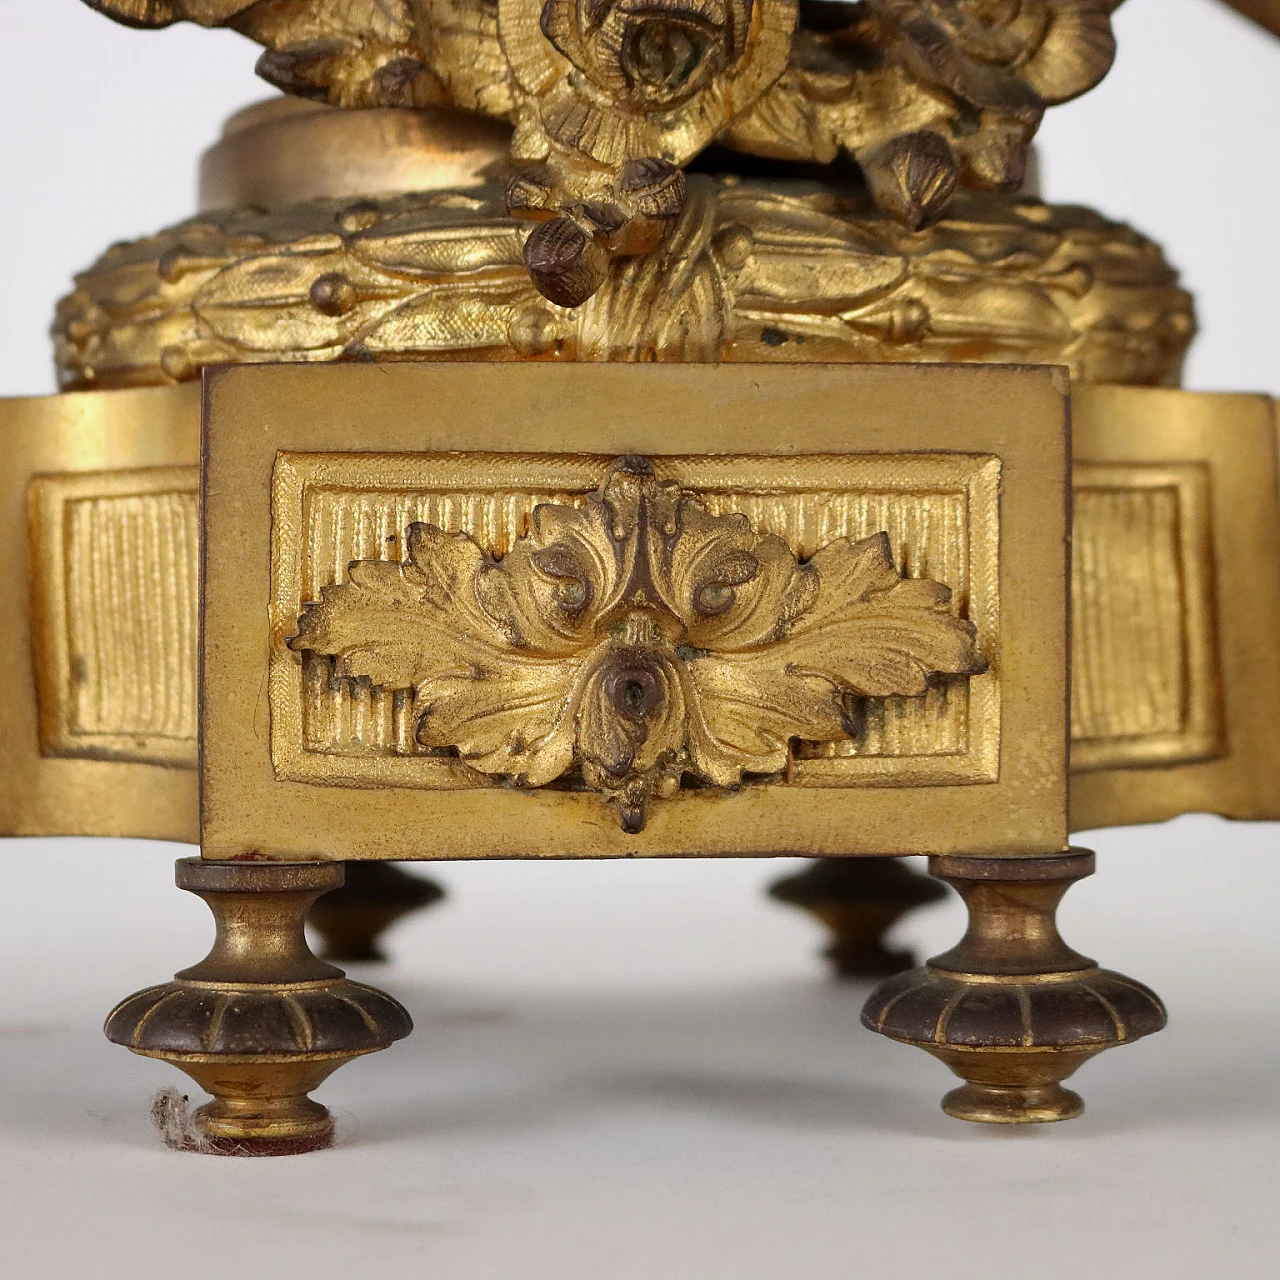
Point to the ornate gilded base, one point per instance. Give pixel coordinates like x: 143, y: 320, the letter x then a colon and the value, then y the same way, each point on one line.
x: 351, y: 919
x: 260, y: 1022
x: 764, y: 272
x: 1013, y: 1010
x: 859, y: 900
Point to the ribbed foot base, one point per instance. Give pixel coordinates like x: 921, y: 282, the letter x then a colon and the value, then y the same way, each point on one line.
x: 1013, y: 1010
x: 260, y: 1023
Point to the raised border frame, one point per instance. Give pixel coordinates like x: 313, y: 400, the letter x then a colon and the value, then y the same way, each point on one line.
x: 977, y: 476
x: 254, y: 414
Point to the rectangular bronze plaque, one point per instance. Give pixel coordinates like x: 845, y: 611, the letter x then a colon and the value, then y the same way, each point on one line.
x: 403, y: 658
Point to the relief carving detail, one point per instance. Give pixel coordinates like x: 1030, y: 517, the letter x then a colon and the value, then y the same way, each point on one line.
x: 609, y: 99
x: 635, y: 639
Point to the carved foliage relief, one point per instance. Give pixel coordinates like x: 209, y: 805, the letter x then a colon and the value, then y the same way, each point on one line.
x: 634, y: 642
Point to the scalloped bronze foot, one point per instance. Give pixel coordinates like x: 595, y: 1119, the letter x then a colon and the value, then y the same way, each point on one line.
x: 859, y: 900
x: 260, y: 1022
x: 1013, y: 1010
x: 352, y: 918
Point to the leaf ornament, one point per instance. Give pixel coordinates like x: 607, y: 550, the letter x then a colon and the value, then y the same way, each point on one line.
x: 635, y: 639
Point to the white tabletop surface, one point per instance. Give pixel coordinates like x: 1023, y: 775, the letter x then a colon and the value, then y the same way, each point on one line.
x: 639, y: 1070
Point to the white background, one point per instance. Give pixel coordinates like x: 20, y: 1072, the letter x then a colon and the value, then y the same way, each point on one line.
x: 637, y: 1070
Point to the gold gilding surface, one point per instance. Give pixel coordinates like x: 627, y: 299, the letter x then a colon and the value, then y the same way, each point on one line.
x: 631, y: 635
x: 852, y: 439
x: 1216, y: 455
x: 285, y: 151
x: 608, y: 98
x: 1174, y: 602
x: 115, y: 576
x: 779, y: 272
x: 755, y: 607
x: 1146, y: 678
x: 332, y: 512
x: 97, y: 700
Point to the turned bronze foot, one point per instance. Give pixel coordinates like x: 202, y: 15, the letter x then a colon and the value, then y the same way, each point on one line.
x: 1012, y: 1009
x: 859, y: 900
x: 260, y: 1022
x: 352, y: 918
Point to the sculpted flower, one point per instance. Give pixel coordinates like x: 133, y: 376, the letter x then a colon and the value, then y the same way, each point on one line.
x: 635, y: 639
x: 998, y: 64
x: 649, y: 53
x: 613, y: 96
x: 1007, y: 53
x: 160, y: 13
x: 352, y: 53
x: 609, y: 98
x: 617, y: 80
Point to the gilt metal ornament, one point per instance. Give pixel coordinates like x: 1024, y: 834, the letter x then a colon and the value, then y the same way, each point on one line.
x: 414, y: 622
x: 636, y: 639
x: 755, y: 272
x: 611, y: 98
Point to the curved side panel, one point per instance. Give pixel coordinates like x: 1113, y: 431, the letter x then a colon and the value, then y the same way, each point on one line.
x: 99, y: 510
x: 1176, y: 594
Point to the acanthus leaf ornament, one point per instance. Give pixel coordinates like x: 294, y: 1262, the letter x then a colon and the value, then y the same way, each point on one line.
x: 636, y: 638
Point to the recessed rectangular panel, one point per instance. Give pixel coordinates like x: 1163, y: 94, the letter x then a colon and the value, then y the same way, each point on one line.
x: 116, y: 559
x: 99, y: 498
x: 938, y: 511
x: 1176, y: 691
x: 1146, y: 679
